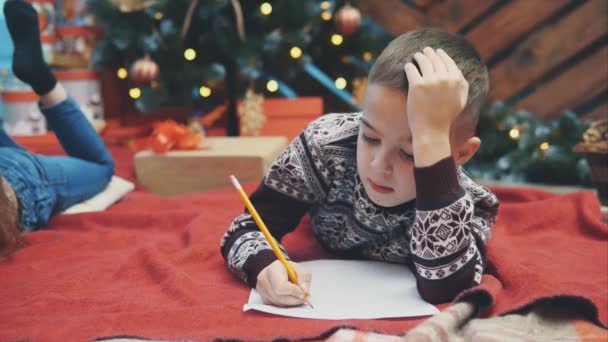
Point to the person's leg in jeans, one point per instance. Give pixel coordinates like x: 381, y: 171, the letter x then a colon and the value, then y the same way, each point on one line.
x: 89, y: 167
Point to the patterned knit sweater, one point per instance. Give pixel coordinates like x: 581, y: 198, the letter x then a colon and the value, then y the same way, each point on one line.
x: 441, y: 234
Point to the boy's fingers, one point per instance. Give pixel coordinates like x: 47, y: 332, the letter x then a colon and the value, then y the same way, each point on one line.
x: 304, y: 282
x: 302, y: 272
x: 413, y: 76
x: 425, y: 64
x: 278, y: 300
x: 277, y: 275
x: 304, y: 277
x: 448, y: 61
x: 290, y: 301
x: 288, y: 289
x: 438, y: 63
x: 281, y: 285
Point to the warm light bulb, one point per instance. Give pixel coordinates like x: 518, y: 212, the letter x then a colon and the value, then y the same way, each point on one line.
x: 189, y: 54
x: 325, y: 5
x: 326, y: 15
x: 295, y: 52
x: 340, y: 83
x: 122, y: 73
x: 158, y: 15
x: 266, y: 8
x: 272, y: 86
x: 205, y: 91
x: 544, y: 146
x: 367, y: 56
x: 135, y: 93
x: 336, y: 39
x: 514, y: 133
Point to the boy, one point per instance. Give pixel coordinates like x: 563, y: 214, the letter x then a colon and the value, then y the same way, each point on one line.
x: 34, y: 187
x: 384, y: 184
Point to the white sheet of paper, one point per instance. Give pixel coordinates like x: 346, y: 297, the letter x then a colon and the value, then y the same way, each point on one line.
x: 352, y: 289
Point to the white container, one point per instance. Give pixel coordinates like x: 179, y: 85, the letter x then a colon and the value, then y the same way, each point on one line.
x: 85, y: 88
x: 21, y: 114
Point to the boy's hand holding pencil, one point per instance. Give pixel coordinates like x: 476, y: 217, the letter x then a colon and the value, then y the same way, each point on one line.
x: 282, y: 283
x: 276, y: 289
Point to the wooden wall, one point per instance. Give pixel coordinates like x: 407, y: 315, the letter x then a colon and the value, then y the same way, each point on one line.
x: 544, y: 55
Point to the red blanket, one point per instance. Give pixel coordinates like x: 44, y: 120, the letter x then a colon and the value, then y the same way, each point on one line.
x: 151, y: 267
x: 547, y: 247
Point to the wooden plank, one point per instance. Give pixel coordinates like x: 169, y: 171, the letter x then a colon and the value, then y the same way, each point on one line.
x: 548, y: 48
x: 394, y: 16
x: 453, y: 15
x: 573, y: 87
x: 600, y: 112
x: 423, y: 4
x: 511, y: 22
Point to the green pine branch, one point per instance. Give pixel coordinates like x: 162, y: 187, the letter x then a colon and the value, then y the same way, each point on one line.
x: 517, y: 146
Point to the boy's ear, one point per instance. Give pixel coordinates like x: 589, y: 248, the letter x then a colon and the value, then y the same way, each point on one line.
x: 467, y: 150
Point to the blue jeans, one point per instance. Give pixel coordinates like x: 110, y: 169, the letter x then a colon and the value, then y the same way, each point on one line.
x: 46, y: 185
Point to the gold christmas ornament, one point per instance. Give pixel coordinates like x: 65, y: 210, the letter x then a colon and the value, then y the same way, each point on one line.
x: 251, y: 112
x: 359, y: 85
x: 144, y: 70
x: 348, y: 19
x: 127, y: 6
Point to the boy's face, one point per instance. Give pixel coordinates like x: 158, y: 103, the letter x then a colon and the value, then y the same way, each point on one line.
x: 384, y: 147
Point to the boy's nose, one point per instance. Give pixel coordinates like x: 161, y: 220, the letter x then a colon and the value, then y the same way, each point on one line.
x: 382, y: 164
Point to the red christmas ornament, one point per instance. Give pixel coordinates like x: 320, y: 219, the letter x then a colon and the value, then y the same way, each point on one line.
x: 144, y: 70
x: 348, y: 19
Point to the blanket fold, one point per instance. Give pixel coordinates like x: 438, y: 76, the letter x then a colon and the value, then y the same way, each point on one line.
x: 151, y: 266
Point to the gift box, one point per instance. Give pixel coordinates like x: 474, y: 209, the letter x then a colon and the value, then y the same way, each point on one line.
x: 74, y: 46
x: 74, y: 13
x: 84, y: 87
x: 22, y: 115
x: 288, y: 117
x: 181, y: 172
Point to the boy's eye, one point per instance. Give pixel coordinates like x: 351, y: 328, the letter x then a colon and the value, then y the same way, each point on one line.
x: 370, y: 140
x: 406, y: 156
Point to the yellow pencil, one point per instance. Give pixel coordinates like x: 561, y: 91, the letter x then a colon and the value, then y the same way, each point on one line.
x: 291, y: 273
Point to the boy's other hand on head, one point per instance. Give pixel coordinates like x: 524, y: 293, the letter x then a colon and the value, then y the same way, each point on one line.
x: 436, y: 95
x: 276, y: 289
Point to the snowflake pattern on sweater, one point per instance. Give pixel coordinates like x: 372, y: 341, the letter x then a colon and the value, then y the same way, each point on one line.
x: 317, y: 175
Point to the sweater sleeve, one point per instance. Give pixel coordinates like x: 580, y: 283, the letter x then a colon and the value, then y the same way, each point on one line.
x: 294, y: 183
x: 450, y: 232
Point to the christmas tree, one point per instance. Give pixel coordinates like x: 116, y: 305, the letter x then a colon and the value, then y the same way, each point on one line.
x: 210, y: 52
x: 518, y: 147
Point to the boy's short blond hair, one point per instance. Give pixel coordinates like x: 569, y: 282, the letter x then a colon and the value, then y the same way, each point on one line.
x: 388, y: 68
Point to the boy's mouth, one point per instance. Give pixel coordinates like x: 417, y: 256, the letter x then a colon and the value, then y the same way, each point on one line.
x: 380, y: 188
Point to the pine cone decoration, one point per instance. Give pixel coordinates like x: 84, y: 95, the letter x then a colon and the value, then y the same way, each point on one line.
x: 595, y: 138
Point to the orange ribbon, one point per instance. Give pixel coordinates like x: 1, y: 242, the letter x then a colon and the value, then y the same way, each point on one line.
x: 168, y: 135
